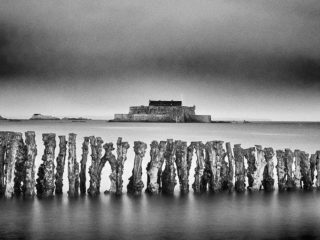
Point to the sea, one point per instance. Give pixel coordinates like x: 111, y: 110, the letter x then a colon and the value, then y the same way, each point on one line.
x: 251, y: 215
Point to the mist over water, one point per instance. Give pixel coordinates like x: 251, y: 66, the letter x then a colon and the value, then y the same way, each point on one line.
x: 208, y: 216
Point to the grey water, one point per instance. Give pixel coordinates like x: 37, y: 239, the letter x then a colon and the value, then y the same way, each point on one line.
x: 259, y: 215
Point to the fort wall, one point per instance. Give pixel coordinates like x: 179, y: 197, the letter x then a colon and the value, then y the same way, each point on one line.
x: 200, y: 118
x: 166, y: 113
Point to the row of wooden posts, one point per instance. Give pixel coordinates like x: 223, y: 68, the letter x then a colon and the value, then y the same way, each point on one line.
x: 217, y: 169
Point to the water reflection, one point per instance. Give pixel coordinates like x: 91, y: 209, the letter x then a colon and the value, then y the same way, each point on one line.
x: 215, y: 216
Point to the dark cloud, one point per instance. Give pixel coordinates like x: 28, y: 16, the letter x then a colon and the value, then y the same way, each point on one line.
x: 234, y: 38
x: 258, y: 53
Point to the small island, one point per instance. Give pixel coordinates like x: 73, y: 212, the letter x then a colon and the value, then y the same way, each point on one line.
x: 76, y: 118
x: 2, y: 118
x: 38, y: 116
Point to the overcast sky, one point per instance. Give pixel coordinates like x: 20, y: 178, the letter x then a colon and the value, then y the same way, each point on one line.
x: 234, y: 59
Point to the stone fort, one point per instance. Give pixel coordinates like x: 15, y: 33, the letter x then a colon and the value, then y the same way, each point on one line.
x: 162, y: 111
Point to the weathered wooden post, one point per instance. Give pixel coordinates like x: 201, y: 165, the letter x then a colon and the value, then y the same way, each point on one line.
x: 288, y: 158
x: 190, y: 150
x: 162, y: 151
x: 230, y: 166
x: 281, y: 170
x: 297, y: 172
x: 122, y: 149
x: 169, y: 173
x: 305, y: 171
x: 155, y: 166
x: 113, y: 176
x: 199, y: 184
x: 210, y: 170
x: 3, y: 143
x: 313, y: 162
x: 224, y: 171
x: 45, y: 180
x: 109, y: 157
x: 318, y: 169
x: 250, y: 155
x: 13, y: 142
x: 218, y: 152
x: 6, y: 139
x: 2, y: 158
x: 31, y: 151
x: 96, y: 166
x: 19, y: 171
x: 240, y: 184
x: 213, y: 161
x: 260, y: 165
x: 182, y: 166
x: 73, y: 167
x: 83, y: 162
x: 268, y: 180
x: 136, y: 185
x: 60, y: 161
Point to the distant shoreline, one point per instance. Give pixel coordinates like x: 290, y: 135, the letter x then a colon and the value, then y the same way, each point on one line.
x: 112, y: 121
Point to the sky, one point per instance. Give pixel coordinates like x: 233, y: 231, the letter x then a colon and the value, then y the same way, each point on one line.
x: 233, y: 59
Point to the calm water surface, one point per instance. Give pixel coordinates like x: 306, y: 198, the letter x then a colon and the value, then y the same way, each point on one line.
x: 228, y: 216
x: 259, y: 215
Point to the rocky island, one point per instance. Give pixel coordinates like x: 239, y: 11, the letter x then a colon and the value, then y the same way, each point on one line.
x: 75, y: 118
x: 162, y: 111
x: 38, y: 116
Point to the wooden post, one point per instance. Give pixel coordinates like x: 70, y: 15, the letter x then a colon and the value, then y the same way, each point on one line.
x: 113, y: 176
x: 109, y: 157
x: 224, y: 171
x: 45, y: 180
x: 213, y: 162
x: 288, y: 158
x: 281, y: 170
x: 190, y: 150
x: 60, y: 161
x: 268, y: 180
x: 199, y: 184
x: 153, y: 168
x: 182, y: 166
x: 297, y: 172
x: 305, y: 171
x: 3, y: 143
x: 162, y: 150
x: 122, y: 149
x: 19, y: 172
x: 219, y: 151
x: 12, y: 154
x: 73, y: 167
x: 29, y: 179
x: 96, y: 166
x: 206, y: 179
x: 250, y: 155
x: 230, y: 166
x: 240, y: 185
x: 169, y: 174
x: 210, y: 170
x: 318, y: 169
x: 136, y: 185
x: 313, y: 162
x: 83, y: 162
x: 260, y: 164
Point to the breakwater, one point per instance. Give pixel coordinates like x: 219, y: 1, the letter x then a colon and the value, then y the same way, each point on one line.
x: 219, y: 167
